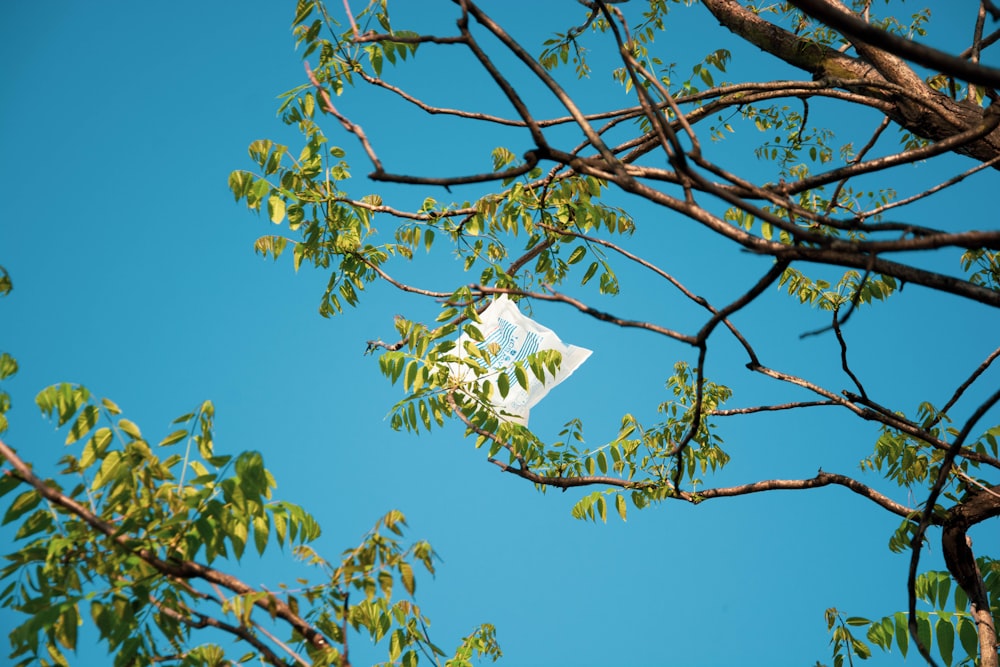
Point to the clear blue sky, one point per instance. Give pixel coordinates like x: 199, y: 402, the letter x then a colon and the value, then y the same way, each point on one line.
x: 134, y: 275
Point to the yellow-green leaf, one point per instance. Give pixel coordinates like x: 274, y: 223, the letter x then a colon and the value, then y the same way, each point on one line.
x: 174, y: 437
x: 406, y: 575
x: 85, y: 421
x: 130, y: 428
x: 276, y: 209
x: 25, y: 502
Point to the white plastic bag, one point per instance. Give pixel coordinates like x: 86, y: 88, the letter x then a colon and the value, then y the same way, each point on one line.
x: 517, y: 336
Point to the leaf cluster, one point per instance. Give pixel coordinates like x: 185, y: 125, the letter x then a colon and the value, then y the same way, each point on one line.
x: 136, y: 528
x: 945, y: 626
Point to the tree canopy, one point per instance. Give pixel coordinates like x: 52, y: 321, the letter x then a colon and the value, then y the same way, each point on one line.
x: 663, y: 196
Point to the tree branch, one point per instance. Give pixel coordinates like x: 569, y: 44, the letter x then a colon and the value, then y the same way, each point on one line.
x: 180, y: 569
x: 968, y: 383
x: 820, y: 480
x: 843, y: 22
x: 953, y: 540
x: 771, y: 408
x: 201, y: 620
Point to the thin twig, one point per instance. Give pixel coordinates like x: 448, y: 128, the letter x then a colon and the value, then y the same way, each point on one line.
x: 701, y: 301
x: 350, y: 17
x: 990, y: 121
x: 926, y: 193
x: 843, y: 350
x: 327, y: 105
x: 965, y: 385
x: 838, y: 321
x: 450, y: 397
x: 206, y: 621
x: 514, y: 47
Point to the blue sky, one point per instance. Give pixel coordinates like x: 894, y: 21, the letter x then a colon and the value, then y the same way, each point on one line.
x: 134, y: 275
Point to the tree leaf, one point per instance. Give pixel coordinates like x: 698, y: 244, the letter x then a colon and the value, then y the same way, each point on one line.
x: 902, y: 632
x: 25, y: 502
x: 968, y: 637
x: 945, y: 635
x: 406, y: 576
x: 130, y: 428
x: 521, y: 376
x: 276, y: 209
x: 503, y: 384
x: 174, y: 438
x: 85, y: 421
x: 578, y: 254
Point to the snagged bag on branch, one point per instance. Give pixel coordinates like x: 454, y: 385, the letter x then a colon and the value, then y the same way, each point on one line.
x: 509, y: 337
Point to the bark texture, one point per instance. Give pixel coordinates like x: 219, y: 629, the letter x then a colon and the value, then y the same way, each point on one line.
x: 874, y: 73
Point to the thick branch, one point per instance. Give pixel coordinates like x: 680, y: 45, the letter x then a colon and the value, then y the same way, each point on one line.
x: 936, y: 117
x: 979, y: 508
x: 853, y: 27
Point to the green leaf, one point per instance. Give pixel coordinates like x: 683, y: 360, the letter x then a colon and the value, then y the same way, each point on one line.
x: 174, y: 438
x: 521, y: 376
x: 95, y: 447
x: 503, y: 384
x: 860, y: 649
x: 276, y: 209
x: 406, y: 575
x: 8, y: 366
x: 501, y: 158
x: 902, y: 633
x: 239, y: 183
x: 943, y: 589
x: 411, y: 374
x: 108, y: 470
x: 251, y: 473
x: 945, y: 633
x: 924, y: 631
x: 183, y: 418
x: 39, y: 521
x: 85, y: 421
x: 961, y: 599
x: 261, y: 530
x: 25, y: 502
x: 622, y: 507
x: 578, y: 254
x: 395, y: 645
x: 62, y: 400
x: 130, y: 428
x: 280, y: 526
x: 968, y: 637
x: 7, y: 484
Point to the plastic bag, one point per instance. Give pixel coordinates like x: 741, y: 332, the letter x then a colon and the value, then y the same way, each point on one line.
x: 516, y: 336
